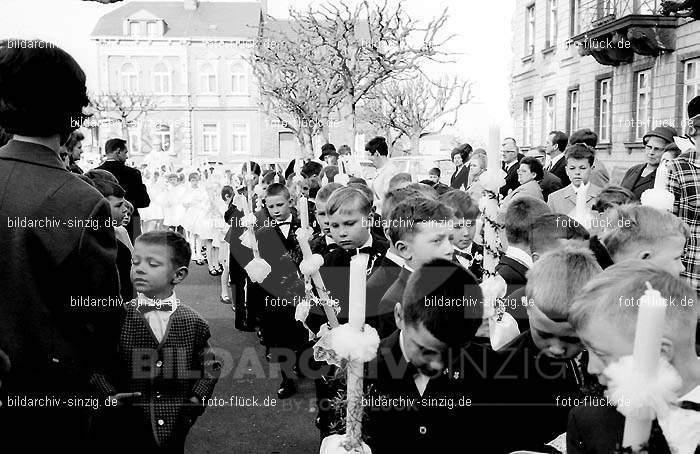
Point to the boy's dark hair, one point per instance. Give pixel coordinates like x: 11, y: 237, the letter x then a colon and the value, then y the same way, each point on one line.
x: 377, y: 145
x: 100, y: 174
x: 550, y: 227
x: 396, y: 196
x: 519, y: 217
x: 227, y: 191
x: 108, y: 188
x: 442, y: 280
x: 560, y: 139
x: 414, y: 212
x: 534, y: 165
x: 585, y: 136
x: 277, y: 189
x: 313, y: 186
x: 311, y: 169
x: 461, y: 203
x: 434, y: 171
x: 269, y: 177
x: 580, y: 151
x: 178, y: 247
x: 32, y: 104
x: 612, y: 196
x: 325, y: 192
x: 364, y: 189
x: 347, y: 200
x: 114, y: 145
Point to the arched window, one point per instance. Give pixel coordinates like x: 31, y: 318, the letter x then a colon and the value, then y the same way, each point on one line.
x: 239, y: 79
x: 207, y: 78
x: 129, y: 78
x: 161, y: 79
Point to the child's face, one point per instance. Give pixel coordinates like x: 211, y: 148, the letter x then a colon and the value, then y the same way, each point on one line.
x: 127, y: 218
x: 305, y: 190
x: 152, y: 271
x: 429, y: 242
x: 278, y: 206
x: 434, y: 177
x: 555, y: 339
x: 118, y: 208
x: 605, y: 344
x: 463, y: 232
x: 322, y: 218
x: 423, y: 350
x: 669, y: 256
x: 264, y: 185
x: 578, y: 171
x: 349, y: 229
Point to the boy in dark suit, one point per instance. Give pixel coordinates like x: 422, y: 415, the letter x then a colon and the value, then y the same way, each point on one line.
x: 421, y: 231
x: 541, y: 367
x: 607, y: 328
x: 516, y: 260
x: 466, y: 252
x: 168, y: 371
x: 424, y: 373
x: 322, y: 243
x: 283, y: 288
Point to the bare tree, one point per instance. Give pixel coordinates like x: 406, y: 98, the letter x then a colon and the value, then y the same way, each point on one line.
x: 125, y: 108
x: 413, y: 106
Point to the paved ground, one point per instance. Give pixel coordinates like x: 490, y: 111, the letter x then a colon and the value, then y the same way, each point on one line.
x: 241, y: 423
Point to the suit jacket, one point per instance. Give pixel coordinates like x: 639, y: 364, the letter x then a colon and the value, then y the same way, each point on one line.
x: 320, y: 246
x: 513, y: 272
x: 166, y: 373
x: 433, y: 422
x: 385, y: 274
x: 549, y: 183
x: 393, y: 295
x: 130, y: 179
x: 599, y: 174
x: 634, y: 182
x: 559, y: 170
x: 564, y: 200
x: 511, y: 178
x: 460, y: 178
x: 51, y: 271
x: 477, y: 260
x: 529, y: 189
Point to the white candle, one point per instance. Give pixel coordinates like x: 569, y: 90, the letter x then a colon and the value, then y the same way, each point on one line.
x: 647, y: 351
x: 358, y: 290
x: 660, y: 178
x: 303, y: 208
x: 493, y: 150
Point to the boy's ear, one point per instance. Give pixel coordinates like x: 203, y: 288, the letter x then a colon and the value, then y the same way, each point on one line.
x: 180, y: 275
x: 403, y: 249
x: 667, y: 349
x: 398, y: 316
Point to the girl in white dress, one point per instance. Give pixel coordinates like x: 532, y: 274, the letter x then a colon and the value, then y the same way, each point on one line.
x: 173, y: 209
x: 208, y: 226
x: 152, y: 216
x: 196, y: 203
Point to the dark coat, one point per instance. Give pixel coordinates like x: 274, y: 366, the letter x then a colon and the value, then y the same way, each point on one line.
x: 393, y: 295
x: 477, y: 264
x: 378, y: 283
x: 513, y: 272
x: 634, y: 181
x: 129, y: 179
x: 460, y: 178
x: 511, y: 178
x: 53, y: 345
x: 549, y: 183
x: 559, y: 170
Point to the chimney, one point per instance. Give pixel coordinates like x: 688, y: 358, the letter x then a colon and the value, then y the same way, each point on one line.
x: 191, y: 5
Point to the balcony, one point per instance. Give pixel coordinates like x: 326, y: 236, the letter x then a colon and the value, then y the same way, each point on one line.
x: 612, y: 31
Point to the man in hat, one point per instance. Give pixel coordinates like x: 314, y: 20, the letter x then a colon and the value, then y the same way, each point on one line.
x: 329, y: 155
x: 683, y: 182
x: 641, y: 177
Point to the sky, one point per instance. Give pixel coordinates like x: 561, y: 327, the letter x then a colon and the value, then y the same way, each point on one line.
x: 482, y: 42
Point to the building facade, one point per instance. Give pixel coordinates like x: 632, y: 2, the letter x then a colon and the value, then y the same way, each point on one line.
x: 618, y: 67
x: 188, y: 60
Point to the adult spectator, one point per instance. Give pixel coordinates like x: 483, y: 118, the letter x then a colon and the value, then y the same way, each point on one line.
x: 477, y: 166
x: 510, y: 154
x: 555, y: 146
x: 641, y: 177
x: 347, y: 162
x: 74, y: 147
x: 329, y: 155
x: 683, y: 182
x: 529, y: 171
x: 379, y: 155
x: 58, y: 255
x: 549, y: 183
x: 599, y: 174
x: 460, y: 158
x: 129, y: 178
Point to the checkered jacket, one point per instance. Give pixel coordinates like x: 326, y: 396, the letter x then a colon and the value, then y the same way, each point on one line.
x: 683, y: 182
x: 167, y: 374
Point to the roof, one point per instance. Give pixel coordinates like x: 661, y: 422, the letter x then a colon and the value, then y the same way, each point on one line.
x: 210, y: 19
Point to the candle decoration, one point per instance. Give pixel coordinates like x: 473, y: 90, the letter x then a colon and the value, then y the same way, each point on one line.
x: 658, y: 197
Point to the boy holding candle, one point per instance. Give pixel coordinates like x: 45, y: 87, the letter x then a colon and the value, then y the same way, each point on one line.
x: 579, y: 164
x: 604, y: 315
x: 466, y: 252
x: 322, y: 242
x: 421, y: 230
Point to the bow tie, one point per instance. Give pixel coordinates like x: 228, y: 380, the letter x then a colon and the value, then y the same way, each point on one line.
x: 277, y: 224
x: 332, y: 246
x: 363, y: 250
x: 411, y: 370
x: 163, y: 307
x: 689, y: 405
x: 465, y: 255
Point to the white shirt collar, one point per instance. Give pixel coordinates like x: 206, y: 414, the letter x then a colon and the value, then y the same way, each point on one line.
x: 467, y: 250
x: 329, y: 240
x: 508, y: 166
x: 172, y: 299
x: 519, y: 255
x: 582, y: 187
x: 419, y: 379
x: 395, y: 258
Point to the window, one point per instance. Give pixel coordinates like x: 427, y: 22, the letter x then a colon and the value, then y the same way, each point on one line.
x: 162, y: 137
x: 528, y: 120
x: 239, y: 79
x: 208, y: 79
x: 240, y: 138
x: 551, y: 39
x: 129, y: 78
x: 134, y: 28
x: 550, y: 113
x: 530, y: 30
x: 573, y: 111
x: 134, y: 140
x: 604, y: 109
x: 575, y: 23
x: 691, y: 83
x: 210, y: 138
x: 153, y: 29
x: 643, y: 98
x: 161, y: 79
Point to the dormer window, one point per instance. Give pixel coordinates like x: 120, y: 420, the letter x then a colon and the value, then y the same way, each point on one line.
x: 144, y: 24
x: 134, y: 28
x: 153, y: 28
